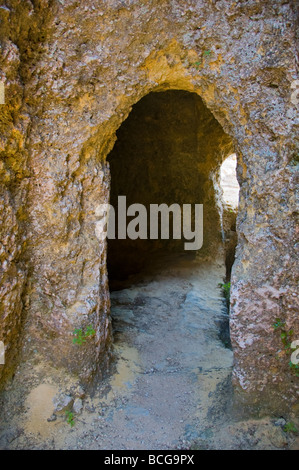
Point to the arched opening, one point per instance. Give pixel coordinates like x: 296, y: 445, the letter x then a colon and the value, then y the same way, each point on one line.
x: 166, y: 152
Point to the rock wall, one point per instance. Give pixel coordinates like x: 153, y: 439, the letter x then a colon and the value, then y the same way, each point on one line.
x: 71, y: 81
x: 23, y: 29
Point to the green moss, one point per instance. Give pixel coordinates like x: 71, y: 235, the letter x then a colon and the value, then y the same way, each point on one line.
x: 295, y: 160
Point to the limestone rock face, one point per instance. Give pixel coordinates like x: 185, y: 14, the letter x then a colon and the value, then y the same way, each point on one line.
x: 21, y: 38
x: 72, y: 72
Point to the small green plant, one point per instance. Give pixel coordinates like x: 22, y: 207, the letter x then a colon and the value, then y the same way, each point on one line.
x: 226, y: 290
x: 290, y: 427
x: 278, y: 324
x: 70, y: 418
x: 226, y: 293
x: 198, y: 63
x: 90, y: 331
x: 295, y: 160
x: 78, y: 333
x: 80, y: 336
x: 286, y: 339
x: 285, y: 335
x: 294, y: 368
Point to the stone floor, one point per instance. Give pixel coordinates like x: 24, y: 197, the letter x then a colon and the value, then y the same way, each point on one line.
x: 170, y: 385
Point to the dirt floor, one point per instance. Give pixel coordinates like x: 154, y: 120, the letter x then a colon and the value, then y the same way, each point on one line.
x: 170, y: 383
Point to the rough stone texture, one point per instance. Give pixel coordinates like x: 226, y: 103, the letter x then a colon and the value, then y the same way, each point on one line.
x: 97, y: 60
x: 21, y: 39
x: 78, y: 405
x: 62, y: 402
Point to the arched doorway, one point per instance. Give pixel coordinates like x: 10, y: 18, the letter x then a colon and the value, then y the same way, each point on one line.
x: 166, y: 152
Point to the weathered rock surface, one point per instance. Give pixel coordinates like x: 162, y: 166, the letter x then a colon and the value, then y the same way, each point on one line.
x: 62, y: 402
x: 72, y: 72
x: 78, y: 405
